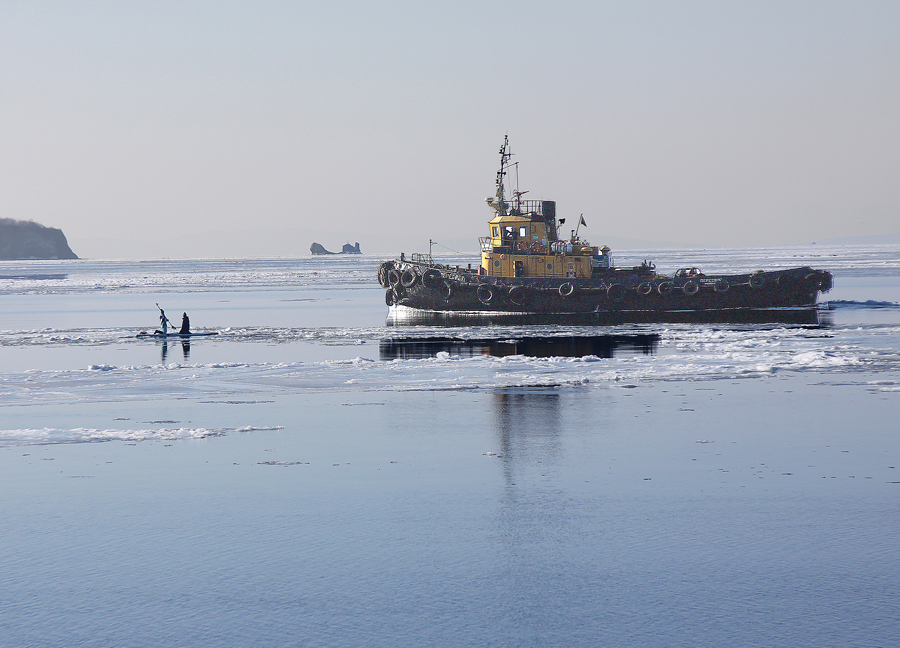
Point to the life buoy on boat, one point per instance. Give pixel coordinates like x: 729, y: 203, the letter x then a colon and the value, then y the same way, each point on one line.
x: 722, y: 285
x: 431, y: 278
x: 566, y: 289
x: 665, y: 288
x: 690, y: 287
x: 615, y: 292
x: 409, y: 278
x: 484, y: 293
x: 393, y: 277
x: 445, y: 289
x: 517, y: 295
x: 645, y: 288
x: 758, y: 279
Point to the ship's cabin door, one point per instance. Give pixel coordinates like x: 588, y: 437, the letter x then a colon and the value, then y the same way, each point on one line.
x: 519, y: 269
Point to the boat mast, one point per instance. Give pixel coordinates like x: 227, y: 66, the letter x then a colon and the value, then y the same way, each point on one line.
x: 504, y: 159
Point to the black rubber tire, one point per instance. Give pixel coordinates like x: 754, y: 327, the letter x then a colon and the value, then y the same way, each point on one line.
x: 615, y: 292
x: 446, y: 289
x: 431, y: 278
x: 409, y: 278
x: 485, y: 294
x: 383, y: 273
x: 518, y: 296
x: 757, y: 280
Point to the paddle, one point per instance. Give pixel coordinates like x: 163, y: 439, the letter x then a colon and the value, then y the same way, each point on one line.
x: 163, y: 314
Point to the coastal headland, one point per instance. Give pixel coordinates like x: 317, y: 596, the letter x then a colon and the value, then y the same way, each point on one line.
x: 30, y: 240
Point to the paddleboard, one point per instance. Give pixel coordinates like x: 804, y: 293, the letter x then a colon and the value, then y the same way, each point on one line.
x: 180, y: 336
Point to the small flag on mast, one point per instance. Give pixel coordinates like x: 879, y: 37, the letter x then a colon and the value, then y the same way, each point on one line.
x: 582, y: 221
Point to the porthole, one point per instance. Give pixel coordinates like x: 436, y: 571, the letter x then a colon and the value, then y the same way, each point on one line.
x: 549, y: 266
x: 496, y: 263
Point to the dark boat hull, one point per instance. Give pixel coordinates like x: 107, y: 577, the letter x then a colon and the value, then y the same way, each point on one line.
x: 625, y: 294
x: 809, y: 316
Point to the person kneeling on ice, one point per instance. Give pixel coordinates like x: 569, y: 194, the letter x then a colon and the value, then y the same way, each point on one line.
x: 185, y: 325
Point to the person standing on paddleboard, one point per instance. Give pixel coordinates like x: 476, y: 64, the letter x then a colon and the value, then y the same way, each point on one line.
x: 185, y: 325
x: 163, y: 321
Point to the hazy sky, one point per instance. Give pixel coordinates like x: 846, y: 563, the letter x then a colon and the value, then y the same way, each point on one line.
x: 170, y: 129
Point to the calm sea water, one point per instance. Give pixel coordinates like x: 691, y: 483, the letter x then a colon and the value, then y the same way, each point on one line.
x: 312, y: 477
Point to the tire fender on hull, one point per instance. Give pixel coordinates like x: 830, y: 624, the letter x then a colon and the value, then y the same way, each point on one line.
x: 485, y: 293
x: 517, y: 295
x: 409, y: 278
x: 431, y: 279
x: 383, y: 270
x: 818, y: 281
x: 446, y: 289
x: 615, y: 292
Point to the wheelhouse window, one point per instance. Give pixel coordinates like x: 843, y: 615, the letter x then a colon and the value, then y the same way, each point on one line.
x: 523, y: 231
x: 495, y: 231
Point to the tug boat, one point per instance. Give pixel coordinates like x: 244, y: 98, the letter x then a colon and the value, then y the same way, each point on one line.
x: 528, y: 270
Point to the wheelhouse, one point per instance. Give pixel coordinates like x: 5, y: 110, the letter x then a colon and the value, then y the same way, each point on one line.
x: 524, y: 240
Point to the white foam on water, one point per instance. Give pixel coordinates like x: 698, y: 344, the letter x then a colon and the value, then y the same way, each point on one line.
x: 47, y: 436
x: 682, y: 354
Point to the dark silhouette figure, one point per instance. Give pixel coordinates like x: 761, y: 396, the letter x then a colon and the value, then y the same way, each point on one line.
x: 185, y: 325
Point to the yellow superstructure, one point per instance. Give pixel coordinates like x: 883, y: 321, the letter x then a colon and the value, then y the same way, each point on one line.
x: 523, y: 243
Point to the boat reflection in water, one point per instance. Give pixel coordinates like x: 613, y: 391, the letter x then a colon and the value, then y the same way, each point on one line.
x: 567, y: 346
x: 402, y: 316
x: 572, y: 346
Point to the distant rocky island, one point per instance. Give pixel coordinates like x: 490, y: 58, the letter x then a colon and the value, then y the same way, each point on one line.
x: 318, y: 248
x: 30, y: 240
